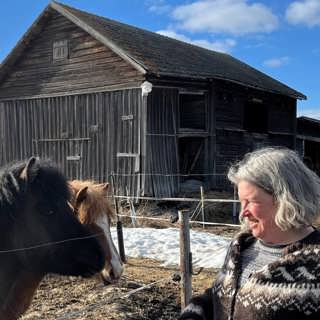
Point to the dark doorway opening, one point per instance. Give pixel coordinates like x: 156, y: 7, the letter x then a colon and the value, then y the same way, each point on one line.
x: 192, y: 151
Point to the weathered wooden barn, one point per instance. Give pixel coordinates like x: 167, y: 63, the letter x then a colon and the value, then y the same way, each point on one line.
x: 308, y: 141
x: 100, y: 97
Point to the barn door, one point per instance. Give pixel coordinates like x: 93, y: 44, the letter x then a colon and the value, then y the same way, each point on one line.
x: 69, y: 154
x: 128, y: 152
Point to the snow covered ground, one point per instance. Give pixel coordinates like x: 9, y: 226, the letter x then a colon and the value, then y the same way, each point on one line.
x: 208, y: 250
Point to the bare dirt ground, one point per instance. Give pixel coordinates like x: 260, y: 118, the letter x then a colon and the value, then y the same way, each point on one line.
x: 75, y: 298
x: 63, y: 298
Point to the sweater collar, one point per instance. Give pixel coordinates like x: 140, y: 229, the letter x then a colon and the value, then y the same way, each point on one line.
x: 244, y: 239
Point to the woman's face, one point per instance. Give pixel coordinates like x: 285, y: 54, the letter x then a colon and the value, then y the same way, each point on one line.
x: 258, y: 208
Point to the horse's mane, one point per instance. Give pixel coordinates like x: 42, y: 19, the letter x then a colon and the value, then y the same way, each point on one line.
x: 43, y: 177
x: 95, y: 204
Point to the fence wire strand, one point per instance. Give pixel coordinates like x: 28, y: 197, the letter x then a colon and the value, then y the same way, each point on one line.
x: 48, y: 244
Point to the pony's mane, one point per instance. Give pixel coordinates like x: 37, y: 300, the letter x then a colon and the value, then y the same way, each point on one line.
x: 11, y: 186
x: 43, y: 177
x: 95, y: 204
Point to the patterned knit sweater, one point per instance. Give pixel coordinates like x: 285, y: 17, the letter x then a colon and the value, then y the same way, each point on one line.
x: 288, y: 288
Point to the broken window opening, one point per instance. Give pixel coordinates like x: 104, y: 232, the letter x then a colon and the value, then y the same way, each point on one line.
x: 255, y: 117
x: 192, y: 111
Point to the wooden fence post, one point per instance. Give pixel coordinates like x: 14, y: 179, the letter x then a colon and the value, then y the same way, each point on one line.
x: 119, y: 224
x: 185, y: 259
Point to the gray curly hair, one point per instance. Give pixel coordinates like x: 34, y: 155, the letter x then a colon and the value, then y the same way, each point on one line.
x: 281, y: 173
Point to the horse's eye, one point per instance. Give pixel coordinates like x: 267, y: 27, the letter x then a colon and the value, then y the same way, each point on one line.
x: 49, y: 213
x: 45, y: 210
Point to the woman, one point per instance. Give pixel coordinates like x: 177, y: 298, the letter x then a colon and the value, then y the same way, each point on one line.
x: 272, y: 269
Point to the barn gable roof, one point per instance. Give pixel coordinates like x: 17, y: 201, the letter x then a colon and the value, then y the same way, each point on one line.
x: 21, y: 45
x: 309, y: 120
x: 157, y: 55
x: 308, y: 129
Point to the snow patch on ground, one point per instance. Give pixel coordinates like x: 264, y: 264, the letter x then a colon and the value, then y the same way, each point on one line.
x: 208, y: 250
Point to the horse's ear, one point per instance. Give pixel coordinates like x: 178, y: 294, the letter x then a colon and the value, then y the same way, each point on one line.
x: 25, y: 173
x: 81, y: 195
x: 105, y: 186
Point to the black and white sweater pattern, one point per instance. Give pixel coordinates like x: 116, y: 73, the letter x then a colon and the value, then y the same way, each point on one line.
x: 288, y: 288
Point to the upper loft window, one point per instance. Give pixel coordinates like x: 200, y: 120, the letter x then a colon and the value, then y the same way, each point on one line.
x: 255, y: 117
x: 192, y: 111
x: 60, y: 50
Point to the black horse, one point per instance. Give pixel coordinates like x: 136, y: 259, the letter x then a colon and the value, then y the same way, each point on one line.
x: 39, y: 234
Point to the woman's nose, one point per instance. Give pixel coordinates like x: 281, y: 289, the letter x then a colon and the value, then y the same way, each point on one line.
x: 244, y: 213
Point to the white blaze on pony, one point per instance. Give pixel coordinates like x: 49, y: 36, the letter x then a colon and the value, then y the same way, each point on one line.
x: 92, y: 208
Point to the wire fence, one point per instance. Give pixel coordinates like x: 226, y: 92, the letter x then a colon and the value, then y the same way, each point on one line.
x: 196, y: 216
x: 194, y: 213
x: 50, y: 244
x: 164, y: 184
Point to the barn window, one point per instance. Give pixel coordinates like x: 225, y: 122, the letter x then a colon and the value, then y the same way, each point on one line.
x: 60, y: 50
x: 255, y: 117
x: 192, y: 111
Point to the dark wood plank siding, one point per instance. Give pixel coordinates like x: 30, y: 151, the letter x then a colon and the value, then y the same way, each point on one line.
x: 129, y: 133
x: 161, y: 146
x: 308, y: 128
x: 282, y: 114
x: 82, y: 133
x: 308, y: 142
x: 165, y: 138
x: 230, y: 100
x: 232, y: 138
x: 228, y: 108
x: 90, y: 64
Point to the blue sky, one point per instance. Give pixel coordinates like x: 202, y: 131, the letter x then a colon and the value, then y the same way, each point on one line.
x: 279, y: 37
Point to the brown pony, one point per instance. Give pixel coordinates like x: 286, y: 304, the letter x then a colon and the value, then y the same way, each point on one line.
x: 39, y: 234
x: 92, y: 208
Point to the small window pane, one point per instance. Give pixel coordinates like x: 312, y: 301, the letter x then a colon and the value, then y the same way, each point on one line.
x: 60, y: 50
